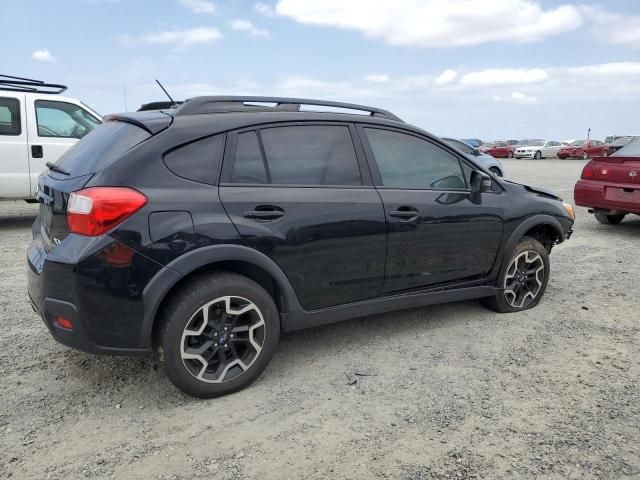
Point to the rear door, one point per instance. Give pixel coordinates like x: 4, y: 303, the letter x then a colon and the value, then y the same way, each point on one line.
x: 302, y: 195
x: 439, y: 232
x: 14, y: 161
x: 54, y: 127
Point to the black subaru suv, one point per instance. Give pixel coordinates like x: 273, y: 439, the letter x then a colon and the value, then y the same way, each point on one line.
x: 204, y: 232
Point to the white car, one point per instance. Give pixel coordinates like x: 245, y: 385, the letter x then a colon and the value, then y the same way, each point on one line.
x: 538, y: 149
x: 37, y: 125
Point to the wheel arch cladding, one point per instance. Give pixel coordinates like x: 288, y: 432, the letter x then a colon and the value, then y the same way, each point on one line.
x: 544, y: 228
x: 230, y: 258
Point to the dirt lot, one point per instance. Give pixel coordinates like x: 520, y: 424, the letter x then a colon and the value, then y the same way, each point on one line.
x: 458, y: 392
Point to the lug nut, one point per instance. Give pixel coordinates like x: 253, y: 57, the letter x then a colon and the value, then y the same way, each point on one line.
x: 225, y: 345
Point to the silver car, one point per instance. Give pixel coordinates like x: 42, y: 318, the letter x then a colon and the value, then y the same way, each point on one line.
x: 487, y: 161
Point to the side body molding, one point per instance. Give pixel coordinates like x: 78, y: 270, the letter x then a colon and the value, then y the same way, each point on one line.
x: 166, y: 278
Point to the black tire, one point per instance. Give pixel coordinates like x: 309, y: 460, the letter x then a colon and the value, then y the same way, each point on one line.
x: 527, y: 249
x: 537, y: 155
x: 496, y: 171
x: 609, y: 219
x: 585, y: 156
x: 510, y: 155
x: 186, y: 308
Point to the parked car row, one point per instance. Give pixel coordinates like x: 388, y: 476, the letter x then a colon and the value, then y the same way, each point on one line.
x: 539, y: 148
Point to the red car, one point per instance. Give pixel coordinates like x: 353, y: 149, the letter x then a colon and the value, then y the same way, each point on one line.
x: 610, y: 186
x: 585, y: 149
x: 498, y: 149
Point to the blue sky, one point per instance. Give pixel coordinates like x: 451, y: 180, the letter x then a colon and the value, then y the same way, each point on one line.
x: 467, y: 68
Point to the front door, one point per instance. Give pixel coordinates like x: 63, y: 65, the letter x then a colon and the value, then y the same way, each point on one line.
x: 302, y: 195
x: 14, y: 162
x: 439, y: 232
x: 54, y: 127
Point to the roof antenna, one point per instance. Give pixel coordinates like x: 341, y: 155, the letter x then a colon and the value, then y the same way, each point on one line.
x: 173, y: 103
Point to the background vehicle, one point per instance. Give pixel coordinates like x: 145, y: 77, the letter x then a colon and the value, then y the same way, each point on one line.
x: 474, y: 142
x: 490, y: 163
x: 231, y: 223
x: 498, y: 149
x: 617, y: 143
x: 584, y: 149
x: 610, y: 186
x: 37, y: 125
x: 538, y: 149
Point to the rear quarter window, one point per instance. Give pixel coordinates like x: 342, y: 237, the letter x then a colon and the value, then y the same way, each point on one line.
x: 198, y: 161
x: 102, y: 147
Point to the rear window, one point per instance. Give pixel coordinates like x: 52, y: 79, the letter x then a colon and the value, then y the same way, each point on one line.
x: 101, y: 147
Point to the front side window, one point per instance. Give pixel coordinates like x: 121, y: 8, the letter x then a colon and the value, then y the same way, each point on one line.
x: 62, y: 119
x: 311, y: 155
x: 9, y: 116
x: 406, y: 161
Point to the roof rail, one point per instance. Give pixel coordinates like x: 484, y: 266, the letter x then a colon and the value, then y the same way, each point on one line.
x: 28, y: 85
x: 221, y: 104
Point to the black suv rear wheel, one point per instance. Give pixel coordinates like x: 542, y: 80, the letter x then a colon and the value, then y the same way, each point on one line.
x: 218, y: 334
x: 523, y: 279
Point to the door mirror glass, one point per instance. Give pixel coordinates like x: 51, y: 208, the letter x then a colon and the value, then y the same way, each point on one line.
x: 480, y: 182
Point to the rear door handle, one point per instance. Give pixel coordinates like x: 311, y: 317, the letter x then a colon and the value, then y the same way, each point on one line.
x: 404, y: 213
x: 265, y: 213
x: 36, y: 151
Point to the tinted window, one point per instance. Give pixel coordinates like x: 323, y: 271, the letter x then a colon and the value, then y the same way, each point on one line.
x: 197, y: 161
x: 248, y: 166
x: 406, y: 161
x: 9, y: 116
x: 311, y: 155
x: 61, y: 119
x: 101, y: 147
x: 463, y: 147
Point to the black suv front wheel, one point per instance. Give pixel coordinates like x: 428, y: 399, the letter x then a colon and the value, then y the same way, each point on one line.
x: 218, y: 334
x: 523, y: 279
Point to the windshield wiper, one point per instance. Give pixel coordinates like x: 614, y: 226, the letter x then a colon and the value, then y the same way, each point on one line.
x: 55, y: 168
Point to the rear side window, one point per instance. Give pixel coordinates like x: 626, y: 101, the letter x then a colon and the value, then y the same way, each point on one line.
x: 9, y: 116
x: 248, y: 165
x: 198, y: 161
x: 406, y: 161
x: 311, y: 155
x: 101, y: 147
x: 62, y: 119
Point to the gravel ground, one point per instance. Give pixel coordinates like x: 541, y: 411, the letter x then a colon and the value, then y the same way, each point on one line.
x: 456, y: 391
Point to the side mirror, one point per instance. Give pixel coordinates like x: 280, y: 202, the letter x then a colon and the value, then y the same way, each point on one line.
x: 480, y: 181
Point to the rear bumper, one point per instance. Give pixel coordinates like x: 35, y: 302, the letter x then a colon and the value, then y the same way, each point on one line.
x: 594, y: 194
x: 103, y: 302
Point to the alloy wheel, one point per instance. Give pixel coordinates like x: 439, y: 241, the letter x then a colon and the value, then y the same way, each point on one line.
x: 523, y: 279
x: 222, y: 339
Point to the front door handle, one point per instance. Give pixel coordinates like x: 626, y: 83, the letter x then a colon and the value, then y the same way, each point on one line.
x: 36, y: 151
x: 265, y: 213
x: 404, y: 213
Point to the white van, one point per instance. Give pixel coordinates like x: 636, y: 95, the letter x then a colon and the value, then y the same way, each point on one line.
x: 37, y: 125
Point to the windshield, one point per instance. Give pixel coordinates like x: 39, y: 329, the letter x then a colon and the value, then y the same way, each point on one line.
x: 578, y: 143
x: 537, y: 143
x: 631, y: 150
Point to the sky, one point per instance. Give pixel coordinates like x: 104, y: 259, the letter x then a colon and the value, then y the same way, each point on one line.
x: 489, y: 69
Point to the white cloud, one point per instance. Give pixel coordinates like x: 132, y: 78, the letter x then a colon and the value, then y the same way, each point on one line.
x: 437, y: 23
x: 377, y: 78
x: 178, y: 38
x: 199, y: 6
x: 504, y: 76
x: 613, y: 27
x: 607, y: 69
x: 43, y: 55
x: 248, y: 26
x: 447, y: 77
x: 264, y: 9
x: 516, y: 97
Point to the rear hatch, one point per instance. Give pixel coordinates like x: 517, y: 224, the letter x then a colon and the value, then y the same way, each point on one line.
x: 75, y: 168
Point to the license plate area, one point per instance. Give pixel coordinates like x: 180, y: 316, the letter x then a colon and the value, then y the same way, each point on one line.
x: 622, y: 194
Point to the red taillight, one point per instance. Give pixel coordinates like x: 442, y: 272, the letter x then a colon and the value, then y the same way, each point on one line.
x: 95, y: 210
x: 588, y: 173
x: 63, y: 323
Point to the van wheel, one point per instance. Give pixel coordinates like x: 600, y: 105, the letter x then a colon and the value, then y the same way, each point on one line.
x: 523, y: 279
x: 217, y: 334
x: 608, y: 219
